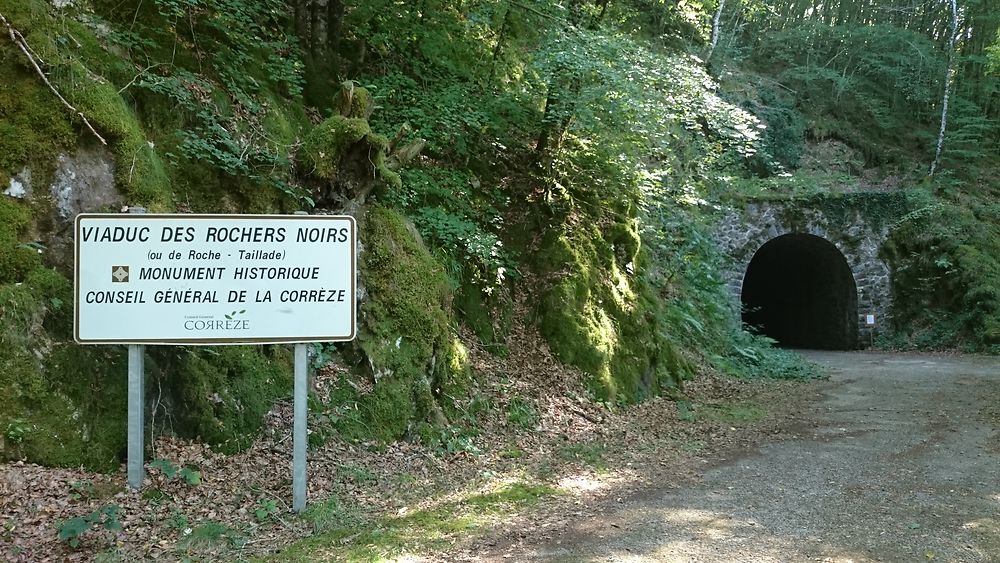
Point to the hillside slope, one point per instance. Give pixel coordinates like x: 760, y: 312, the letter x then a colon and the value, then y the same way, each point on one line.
x: 574, y: 153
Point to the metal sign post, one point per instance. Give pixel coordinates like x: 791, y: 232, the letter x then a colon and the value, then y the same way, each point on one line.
x: 300, y: 439
x: 136, y: 418
x: 136, y: 405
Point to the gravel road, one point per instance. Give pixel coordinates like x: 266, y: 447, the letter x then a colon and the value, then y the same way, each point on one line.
x: 900, y: 461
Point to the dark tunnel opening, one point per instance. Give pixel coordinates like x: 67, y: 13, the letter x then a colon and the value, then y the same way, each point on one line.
x: 799, y: 290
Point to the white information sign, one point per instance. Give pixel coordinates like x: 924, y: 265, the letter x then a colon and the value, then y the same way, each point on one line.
x: 870, y: 320
x: 214, y: 279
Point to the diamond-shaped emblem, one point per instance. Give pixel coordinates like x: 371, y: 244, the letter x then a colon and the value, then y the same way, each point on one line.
x: 119, y: 274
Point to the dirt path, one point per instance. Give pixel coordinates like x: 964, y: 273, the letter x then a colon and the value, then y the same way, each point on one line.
x: 901, y: 462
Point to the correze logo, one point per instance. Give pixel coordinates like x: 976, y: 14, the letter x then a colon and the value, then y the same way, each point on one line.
x: 232, y: 323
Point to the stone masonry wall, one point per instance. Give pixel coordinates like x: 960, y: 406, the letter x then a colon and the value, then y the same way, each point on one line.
x: 741, y: 232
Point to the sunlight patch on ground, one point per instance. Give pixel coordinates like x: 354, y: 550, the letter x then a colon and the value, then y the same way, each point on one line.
x: 601, y: 480
x: 578, y: 484
x: 703, y: 545
x: 710, y: 525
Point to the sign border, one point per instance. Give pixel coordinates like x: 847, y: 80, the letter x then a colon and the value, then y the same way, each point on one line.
x: 211, y: 341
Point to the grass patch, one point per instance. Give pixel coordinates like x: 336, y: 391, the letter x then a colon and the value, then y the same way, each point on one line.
x: 522, y: 414
x: 211, y: 535
x: 735, y: 413
x: 345, y: 535
x: 354, y: 473
x: 589, y: 454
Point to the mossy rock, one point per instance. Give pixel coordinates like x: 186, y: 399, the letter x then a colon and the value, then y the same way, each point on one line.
x: 34, y: 127
x: 42, y: 127
x: 222, y: 394
x: 60, y: 404
x: 405, y: 333
x: 597, y: 317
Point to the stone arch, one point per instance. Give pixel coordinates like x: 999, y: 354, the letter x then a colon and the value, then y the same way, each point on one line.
x: 799, y: 290
x: 742, y: 232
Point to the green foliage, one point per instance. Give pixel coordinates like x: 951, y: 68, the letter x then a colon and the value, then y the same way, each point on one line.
x: 106, y: 517
x: 178, y: 520
x: 189, y: 475
x: 450, y: 440
x: 17, y: 429
x: 522, y: 413
x: 946, y: 275
x: 265, y: 509
x: 224, y: 107
x: 454, y: 212
x: 459, y: 121
x: 875, y: 86
x: 755, y: 356
x: 82, y: 489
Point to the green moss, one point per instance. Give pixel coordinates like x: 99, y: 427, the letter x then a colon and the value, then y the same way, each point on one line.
x: 139, y: 173
x: 405, y: 332
x: 34, y: 126
x: 599, y: 318
x: 324, y: 146
x: 380, y: 147
x: 67, y: 400
x: 224, y: 392
x: 16, y: 262
x: 48, y: 126
x: 946, y: 276
x: 70, y: 403
x: 354, y: 101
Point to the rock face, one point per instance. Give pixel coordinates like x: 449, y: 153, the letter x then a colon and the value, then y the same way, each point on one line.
x: 20, y: 185
x: 858, y: 236
x: 84, y: 181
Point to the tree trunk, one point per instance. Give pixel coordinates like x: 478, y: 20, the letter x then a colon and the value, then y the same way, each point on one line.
x: 949, y: 71
x: 334, y: 25
x: 501, y: 37
x: 715, y: 31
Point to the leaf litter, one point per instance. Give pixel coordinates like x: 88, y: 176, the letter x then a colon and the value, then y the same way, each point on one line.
x: 541, y: 428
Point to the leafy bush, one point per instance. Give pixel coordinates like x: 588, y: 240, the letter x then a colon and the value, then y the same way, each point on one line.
x: 454, y: 212
x: 106, y: 517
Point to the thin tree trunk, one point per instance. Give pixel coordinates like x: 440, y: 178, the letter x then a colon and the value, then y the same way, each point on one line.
x: 334, y: 25
x: 314, y: 16
x: 501, y: 37
x: 949, y: 71
x: 715, y: 30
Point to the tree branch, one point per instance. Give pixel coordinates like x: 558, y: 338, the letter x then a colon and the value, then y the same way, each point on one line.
x: 22, y: 44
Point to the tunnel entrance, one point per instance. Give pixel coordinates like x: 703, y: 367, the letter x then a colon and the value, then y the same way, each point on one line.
x: 799, y: 290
